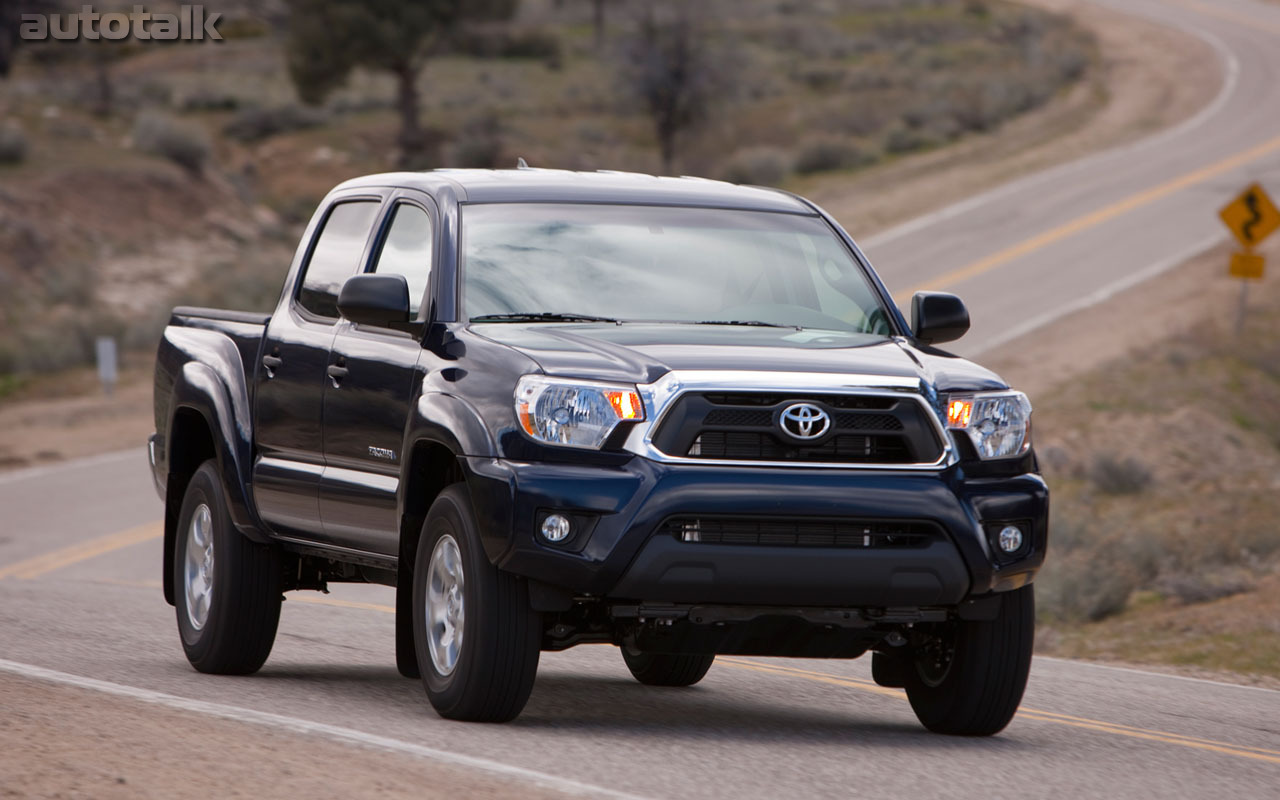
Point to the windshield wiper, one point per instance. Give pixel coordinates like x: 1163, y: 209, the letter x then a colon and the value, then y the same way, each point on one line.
x: 754, y: 322
x: 542, y: 316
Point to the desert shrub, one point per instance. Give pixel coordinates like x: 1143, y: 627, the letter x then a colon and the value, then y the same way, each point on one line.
x: 207, y: 99
x: 1082, y: 589
x: 821, y: 153
x: 1114, y: 475
x: 501, y: 42
x: 760, y: 166
x: 257, y: 123
x: 13, y: 144
x: 185, y: 144
x: 1200, y: 587
x: 906, y: 139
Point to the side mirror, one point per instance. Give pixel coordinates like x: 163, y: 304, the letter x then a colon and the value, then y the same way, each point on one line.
x: 378, y: 300
x: 938, y: 317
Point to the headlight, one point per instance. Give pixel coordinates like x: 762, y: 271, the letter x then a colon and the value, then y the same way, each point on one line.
x: 574, y: 413
x: 998, y: 423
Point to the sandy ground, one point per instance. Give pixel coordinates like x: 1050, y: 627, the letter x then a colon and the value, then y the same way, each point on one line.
x: 107, y: 748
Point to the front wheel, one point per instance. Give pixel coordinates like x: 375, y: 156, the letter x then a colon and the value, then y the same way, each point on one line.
x: 968, y: 677
x: 476, y: 637
x: 227, y: 587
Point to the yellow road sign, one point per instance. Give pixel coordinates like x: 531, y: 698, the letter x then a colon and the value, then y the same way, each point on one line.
x: 1247, y: 265
x: 1252, y: 216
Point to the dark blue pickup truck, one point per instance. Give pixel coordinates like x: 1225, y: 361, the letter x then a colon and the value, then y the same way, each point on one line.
x: 674, y: 415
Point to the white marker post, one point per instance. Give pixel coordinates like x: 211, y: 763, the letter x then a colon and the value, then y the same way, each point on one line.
x: 107, y: 367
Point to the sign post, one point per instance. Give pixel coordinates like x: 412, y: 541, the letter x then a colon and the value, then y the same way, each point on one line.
x: 1251, y: 217
x: 107, y: 371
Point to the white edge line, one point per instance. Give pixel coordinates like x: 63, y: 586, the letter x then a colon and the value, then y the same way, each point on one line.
x: 139, y: 452
x: 1231, y: 76
x: 1150, y: 674
x: 1099, y: 296
x: 296, y: 725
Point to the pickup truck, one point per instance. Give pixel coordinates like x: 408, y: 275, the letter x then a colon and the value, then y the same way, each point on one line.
x: 678, y: 416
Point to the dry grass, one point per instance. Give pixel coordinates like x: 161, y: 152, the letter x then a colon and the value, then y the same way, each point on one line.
x: 1165, y: 466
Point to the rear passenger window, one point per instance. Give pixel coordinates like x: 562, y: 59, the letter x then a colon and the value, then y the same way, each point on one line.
x: 336, y: 255
x: 407, y: 251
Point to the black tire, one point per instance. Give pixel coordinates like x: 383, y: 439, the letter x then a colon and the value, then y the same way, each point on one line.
x: 890, y: 669
x: 234, y: 625
x: 976, y: 691
x: 497, y: 654
x: 666, y: 669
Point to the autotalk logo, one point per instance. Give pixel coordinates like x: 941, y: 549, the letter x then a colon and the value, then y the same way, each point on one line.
x: 189, y: 24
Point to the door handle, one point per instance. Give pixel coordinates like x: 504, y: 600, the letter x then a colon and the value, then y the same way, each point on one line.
x: 272, y: 363
x: 336, y: 374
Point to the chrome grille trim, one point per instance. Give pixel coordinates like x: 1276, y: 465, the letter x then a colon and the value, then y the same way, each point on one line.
x: 660, y: 395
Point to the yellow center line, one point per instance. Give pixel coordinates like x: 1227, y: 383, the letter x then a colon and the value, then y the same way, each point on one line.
x: 1092, y: 220
x: 1116, y: 729
x: 82, y: 551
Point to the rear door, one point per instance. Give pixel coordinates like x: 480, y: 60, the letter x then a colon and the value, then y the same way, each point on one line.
x: 291, y: 379
x: 368, y: 403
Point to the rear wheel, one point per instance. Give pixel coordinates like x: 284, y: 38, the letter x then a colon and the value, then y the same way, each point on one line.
x: 968, y: 676
x: 666, y: 669
x: 227, y: 587
x: 476, y: 637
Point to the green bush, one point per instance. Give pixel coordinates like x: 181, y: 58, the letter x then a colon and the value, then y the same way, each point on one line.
x: 185, y: 144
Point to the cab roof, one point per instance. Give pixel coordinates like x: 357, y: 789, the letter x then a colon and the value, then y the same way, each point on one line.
x: 526, y: 185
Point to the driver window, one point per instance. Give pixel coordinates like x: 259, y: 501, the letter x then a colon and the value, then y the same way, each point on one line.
x: 407, y: 251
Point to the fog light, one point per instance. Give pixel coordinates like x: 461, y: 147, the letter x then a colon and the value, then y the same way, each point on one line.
x: 1010, y: 538
x: 556, y: 528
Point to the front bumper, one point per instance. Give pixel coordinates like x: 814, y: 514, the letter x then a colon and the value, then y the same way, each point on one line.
x: 625, y: 557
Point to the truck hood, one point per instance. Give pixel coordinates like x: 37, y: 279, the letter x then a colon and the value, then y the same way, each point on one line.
x: 643, y: 352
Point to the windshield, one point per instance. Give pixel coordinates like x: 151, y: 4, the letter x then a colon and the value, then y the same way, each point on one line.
x: 569, y: 263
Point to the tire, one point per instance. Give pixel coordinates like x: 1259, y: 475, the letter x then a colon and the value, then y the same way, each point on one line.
x: 228, y: 598
x: 486, y: 673
x: 890, y: 669
x: 976, y: 691
x: 666, y: 669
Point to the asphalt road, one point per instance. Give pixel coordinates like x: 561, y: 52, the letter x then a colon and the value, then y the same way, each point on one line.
x: 80, y: 554
x: 1027, y: 252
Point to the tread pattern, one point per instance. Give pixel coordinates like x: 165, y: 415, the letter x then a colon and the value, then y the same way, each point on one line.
x: 241, y: 630
x: 667, y: 669
x: 496, y: 669
x: 982, y: 692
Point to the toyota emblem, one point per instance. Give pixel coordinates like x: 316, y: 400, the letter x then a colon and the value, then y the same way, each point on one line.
x: 804, y: 421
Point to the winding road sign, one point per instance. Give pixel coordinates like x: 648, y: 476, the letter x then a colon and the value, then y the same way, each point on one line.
x: 1252, y: 216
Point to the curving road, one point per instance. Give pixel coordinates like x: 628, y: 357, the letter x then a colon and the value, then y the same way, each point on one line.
x: 79, y: 555
x: 1038, y: 248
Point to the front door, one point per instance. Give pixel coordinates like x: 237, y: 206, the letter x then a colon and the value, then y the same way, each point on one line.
x: 367, y: 400
x: 288, y: 399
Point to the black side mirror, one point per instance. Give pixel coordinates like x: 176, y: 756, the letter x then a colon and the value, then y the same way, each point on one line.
x: 378, y: 300
x: 938, y: 317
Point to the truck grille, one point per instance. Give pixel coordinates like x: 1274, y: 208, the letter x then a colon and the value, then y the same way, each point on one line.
x: 744, y: 426
x: 801, y: 531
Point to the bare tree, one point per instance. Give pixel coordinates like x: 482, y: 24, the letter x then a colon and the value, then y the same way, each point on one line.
x: 670, y: 67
